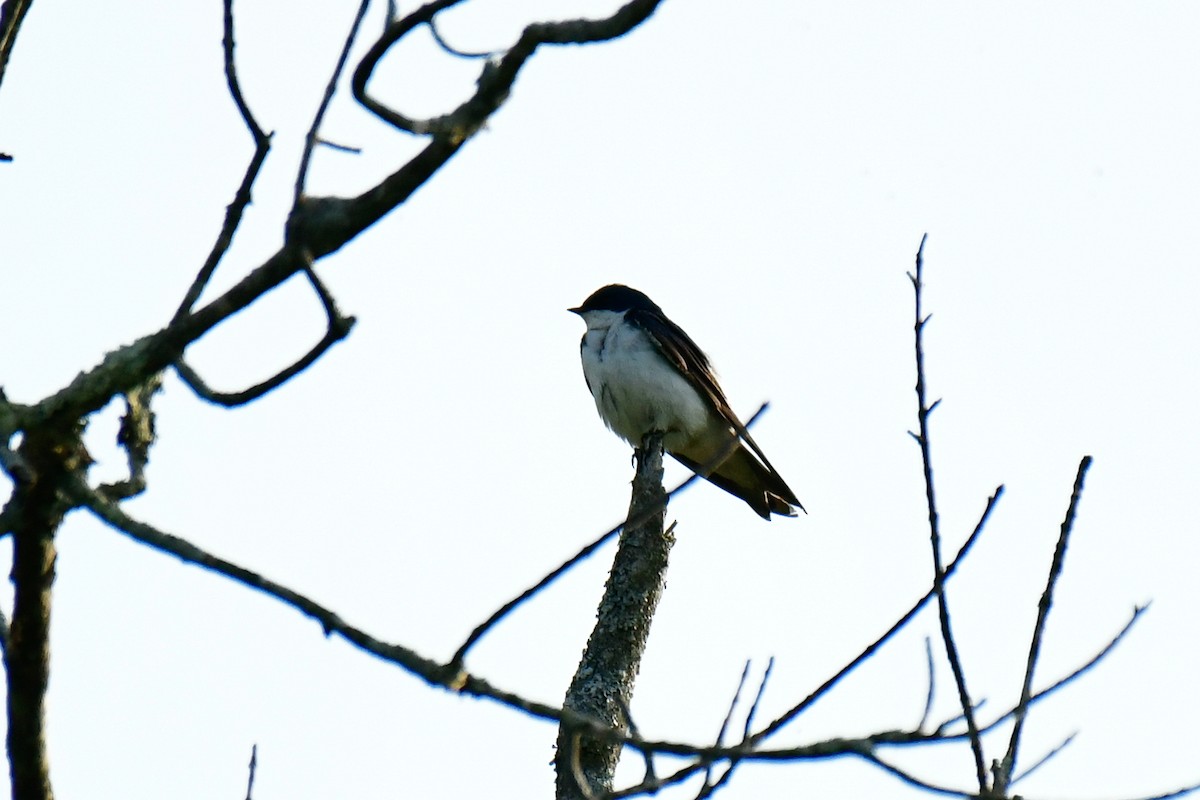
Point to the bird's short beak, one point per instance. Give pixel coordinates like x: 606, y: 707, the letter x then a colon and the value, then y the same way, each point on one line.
x: 575, y: 310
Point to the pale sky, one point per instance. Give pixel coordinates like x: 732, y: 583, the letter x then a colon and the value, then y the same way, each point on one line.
x: 765, y: 172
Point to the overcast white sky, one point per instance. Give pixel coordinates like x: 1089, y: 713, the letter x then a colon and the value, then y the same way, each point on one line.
x: 765, y: 172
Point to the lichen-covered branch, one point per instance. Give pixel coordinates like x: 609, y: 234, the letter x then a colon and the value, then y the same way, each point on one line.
x: 603, y: 684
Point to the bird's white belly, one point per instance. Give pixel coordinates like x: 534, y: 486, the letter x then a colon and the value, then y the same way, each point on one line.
x: 637, y: 391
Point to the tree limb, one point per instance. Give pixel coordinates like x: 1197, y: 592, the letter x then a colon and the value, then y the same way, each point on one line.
x: 604, y: 679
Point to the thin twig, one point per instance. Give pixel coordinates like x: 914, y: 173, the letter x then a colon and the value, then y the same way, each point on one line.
x: 1094, y: 660
x: 939, y: 575
x: 911, y: 779
x: 1173, y: 794
x: 1042, y: 694
x: 1009, y: 763
x: 707, y: 789
x: 821, y: 690
x: 448, y: 48
x: 253, y: 768
x: 930, y: 691
x: 241, y: 198
x: 762, y: 690
x: 649, y: 776
x: 1042, y: 761
x: 482, y: 628
x: 733, y: 704
x: 341, y: 148
x: 310, y: 139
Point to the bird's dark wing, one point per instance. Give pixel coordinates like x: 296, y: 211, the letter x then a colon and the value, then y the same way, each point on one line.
x: 679, y: 349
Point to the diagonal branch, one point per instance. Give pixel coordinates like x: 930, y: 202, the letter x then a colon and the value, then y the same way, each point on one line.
x: 1009, y: 763
x: 446, y: 677
x: 776, y: 725
x: 504, y: 610
x: 939, y: 573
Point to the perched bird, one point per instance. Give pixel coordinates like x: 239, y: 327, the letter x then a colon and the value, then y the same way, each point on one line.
x: 647, y: 375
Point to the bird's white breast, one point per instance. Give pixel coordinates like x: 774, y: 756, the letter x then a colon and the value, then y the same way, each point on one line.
x: 637, y: 390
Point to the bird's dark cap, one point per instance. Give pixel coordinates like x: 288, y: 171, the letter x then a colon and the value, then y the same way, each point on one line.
x: 617, y: 297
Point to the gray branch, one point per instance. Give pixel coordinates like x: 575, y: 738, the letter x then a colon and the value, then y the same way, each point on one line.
x: 603, y: 684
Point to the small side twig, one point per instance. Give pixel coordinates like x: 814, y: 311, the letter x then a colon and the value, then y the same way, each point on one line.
x: 931, y: 685
x: 311, y: 139
x: 1063, y: 745
x: 649, y: 777
x: 733, y: 704
x: 912, y: 780
x: 709, y: 788
x: 450, y: 49
x: 341, y: 148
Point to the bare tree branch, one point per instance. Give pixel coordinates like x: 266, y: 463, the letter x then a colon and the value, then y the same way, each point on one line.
x: 498, y: 75
x: 939, y: 574
x: 444, y: 676
x: 707, y: 787
x: 1009, y: 762
x: 504, y: 610
x: 604, y: 679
